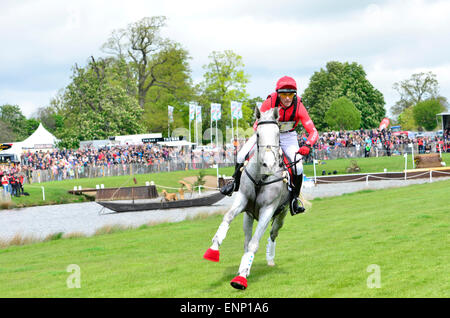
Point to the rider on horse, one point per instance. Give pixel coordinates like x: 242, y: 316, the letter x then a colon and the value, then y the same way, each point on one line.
x: 291, y: 112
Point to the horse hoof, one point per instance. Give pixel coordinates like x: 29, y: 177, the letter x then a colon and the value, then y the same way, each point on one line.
x: 271, y: 263
x: 239, y: 282
x: 212, y: 255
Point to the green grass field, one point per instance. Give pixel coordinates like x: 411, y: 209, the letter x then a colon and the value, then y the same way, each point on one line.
x: 323, y: 253
x: 56, y: 191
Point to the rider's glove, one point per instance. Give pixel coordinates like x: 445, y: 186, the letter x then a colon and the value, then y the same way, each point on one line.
x: 304, y: 150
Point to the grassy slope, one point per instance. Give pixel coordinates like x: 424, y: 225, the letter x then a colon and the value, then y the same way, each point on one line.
x: 56, y: 191
x: 323, y: 253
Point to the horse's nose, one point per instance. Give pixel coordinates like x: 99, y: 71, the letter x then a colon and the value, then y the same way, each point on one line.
x: 265, y: 165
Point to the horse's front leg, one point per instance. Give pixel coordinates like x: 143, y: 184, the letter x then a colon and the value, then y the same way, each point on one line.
x: 248, y: 229
x: 238, y: 206
x: 240, y: 281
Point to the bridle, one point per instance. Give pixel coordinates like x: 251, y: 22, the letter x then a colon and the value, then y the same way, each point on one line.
x: 267, y: 122
x: 274, y: 149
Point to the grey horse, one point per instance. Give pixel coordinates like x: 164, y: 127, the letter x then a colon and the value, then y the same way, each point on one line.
x: 263, y: 195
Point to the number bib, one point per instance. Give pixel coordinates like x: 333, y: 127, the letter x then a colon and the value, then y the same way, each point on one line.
x: 286, y: 126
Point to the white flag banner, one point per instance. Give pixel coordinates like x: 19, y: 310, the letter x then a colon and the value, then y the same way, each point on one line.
x: 236, y: 110
x: 239, y: 112
x: 191, y: 111
x: 170, y: 113
x: 198, y: 116
x: 216, y: 111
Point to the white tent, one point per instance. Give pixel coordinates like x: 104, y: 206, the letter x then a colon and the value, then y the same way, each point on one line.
x: 445, y: 120
x: 40, y: 139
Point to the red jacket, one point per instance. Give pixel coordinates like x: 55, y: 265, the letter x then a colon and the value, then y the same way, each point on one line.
x: 5, y: 180
x: 287, y: 114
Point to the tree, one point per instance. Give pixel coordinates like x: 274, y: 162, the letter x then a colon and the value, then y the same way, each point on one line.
x: 12, y: 116
x: 95, y: 106
x: 175, y: 70
x: 6, y: 133
x: 343, y: 79
x: 343, y: 115
x: 144, y: 51
x: 406, y: 120
x: 224, y: 81
x: 419, y: 87
x: 425, y: 113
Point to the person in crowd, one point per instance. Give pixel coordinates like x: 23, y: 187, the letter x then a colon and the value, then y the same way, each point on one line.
x: 5, y: 183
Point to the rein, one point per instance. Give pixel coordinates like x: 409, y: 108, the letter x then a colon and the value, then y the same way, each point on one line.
x: 261, y: 183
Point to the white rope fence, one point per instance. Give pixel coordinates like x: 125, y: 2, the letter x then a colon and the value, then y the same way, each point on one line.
x: 366, y: 177
x: 344, y: 181
x: 172, y: 188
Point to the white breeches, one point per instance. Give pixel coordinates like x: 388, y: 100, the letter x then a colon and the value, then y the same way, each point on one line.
x: 288, y: 143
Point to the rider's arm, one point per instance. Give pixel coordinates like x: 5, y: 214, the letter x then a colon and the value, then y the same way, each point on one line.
x: 303, y: 116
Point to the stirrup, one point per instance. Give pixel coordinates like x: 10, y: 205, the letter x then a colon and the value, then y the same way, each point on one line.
x: 295, y: 208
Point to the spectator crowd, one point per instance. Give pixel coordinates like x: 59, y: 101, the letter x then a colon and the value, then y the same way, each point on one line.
x: 69, y: 164
x: 366, y: 143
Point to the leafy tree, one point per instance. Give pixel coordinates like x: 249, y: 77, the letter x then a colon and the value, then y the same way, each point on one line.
x: 343, y: 79
x: 224, y: 81
x: 406, y: 120
x: 30, y: 127
x: 425, y: 113
x: 175, y: 70
x: 144, y: 52
x: 6, y: 133
x: 343, y: 115
x: 419, y: 87
x: 12, y: 116
x: 94, y: 106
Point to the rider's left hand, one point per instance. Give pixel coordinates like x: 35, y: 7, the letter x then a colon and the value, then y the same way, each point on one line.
x: 304, y: 150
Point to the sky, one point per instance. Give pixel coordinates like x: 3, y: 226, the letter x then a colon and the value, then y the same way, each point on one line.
x: 41, y: 40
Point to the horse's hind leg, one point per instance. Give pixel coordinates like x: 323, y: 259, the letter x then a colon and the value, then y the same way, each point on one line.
x: 238, y: 206
x: 271, y: 244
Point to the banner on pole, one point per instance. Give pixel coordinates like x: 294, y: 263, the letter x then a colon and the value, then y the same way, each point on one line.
x: 384, y: 124
x: 198, y: 116
x: 191, y: 111
x: 216, y: 111
x: 236, y: 110
x: 170, y: 113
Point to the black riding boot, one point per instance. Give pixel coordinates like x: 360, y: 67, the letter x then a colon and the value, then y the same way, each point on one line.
x: 296, y: 208
x: 229, y: 188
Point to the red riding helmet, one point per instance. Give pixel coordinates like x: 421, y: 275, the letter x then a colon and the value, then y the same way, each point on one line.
x: 286, y: 84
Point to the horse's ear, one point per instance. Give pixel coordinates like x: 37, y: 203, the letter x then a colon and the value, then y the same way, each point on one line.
x: 276, y: 113
x: 257, y: 112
